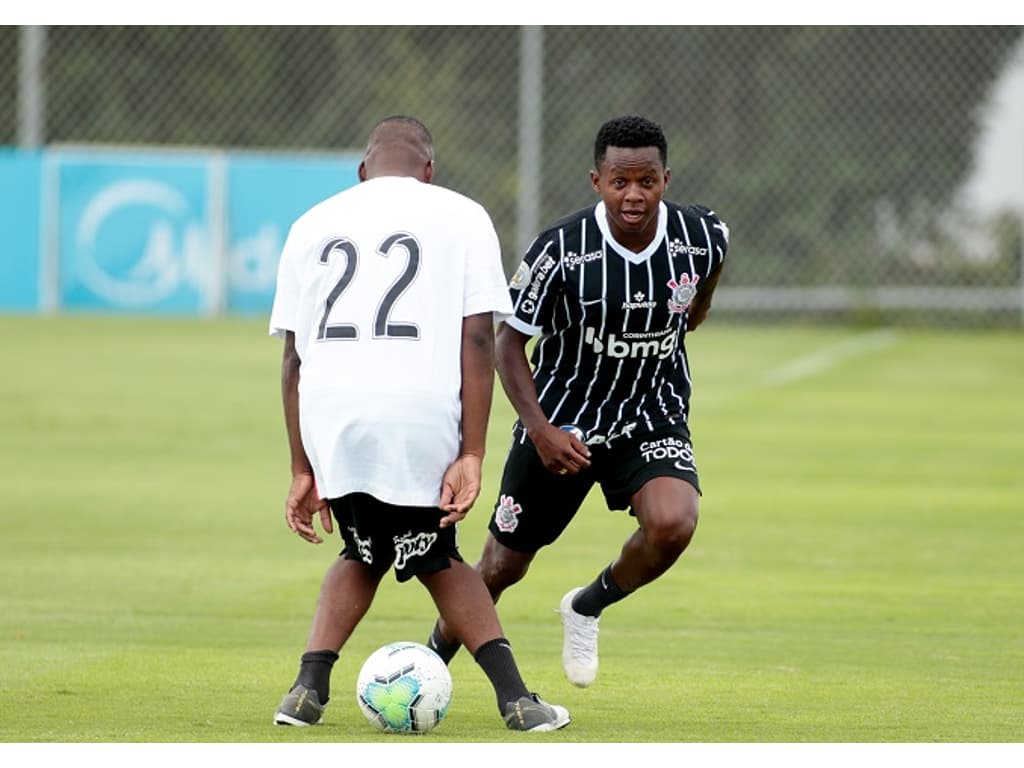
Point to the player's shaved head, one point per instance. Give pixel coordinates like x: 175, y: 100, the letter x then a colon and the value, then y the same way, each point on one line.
x: 398, y: 146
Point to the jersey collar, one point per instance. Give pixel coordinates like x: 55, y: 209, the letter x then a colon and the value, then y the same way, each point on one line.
x: 601, y: 214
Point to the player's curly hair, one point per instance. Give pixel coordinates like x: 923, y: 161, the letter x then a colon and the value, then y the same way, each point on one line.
x: 630, y: 131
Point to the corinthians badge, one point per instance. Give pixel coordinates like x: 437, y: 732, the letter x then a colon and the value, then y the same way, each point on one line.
x: 683, y: 292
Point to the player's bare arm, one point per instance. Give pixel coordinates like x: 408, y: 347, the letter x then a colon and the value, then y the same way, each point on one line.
x: 702, y: 301
x: 560, y: 451
x: 303, y: 500
x: 461, y: 484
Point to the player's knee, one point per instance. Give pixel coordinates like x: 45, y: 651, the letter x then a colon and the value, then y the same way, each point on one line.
x: 499, y: 576
x: 670, y: 530
x: 501, y: 567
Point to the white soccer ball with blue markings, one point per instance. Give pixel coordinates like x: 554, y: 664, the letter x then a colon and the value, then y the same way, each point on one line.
x: 404, y: 687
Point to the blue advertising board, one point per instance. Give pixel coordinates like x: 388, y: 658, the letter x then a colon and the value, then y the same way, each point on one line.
x: 20, y: 229
x: 134, y: 232
x: 155, y: 231
x: 264, y: 197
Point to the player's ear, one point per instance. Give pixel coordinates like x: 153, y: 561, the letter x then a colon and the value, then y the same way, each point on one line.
x: 594, y: 179
x: 362, y: 171
x: 668, y: 176
x: 428, y: 172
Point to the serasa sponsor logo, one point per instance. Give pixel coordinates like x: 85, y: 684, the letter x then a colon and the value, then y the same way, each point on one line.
x: 666, y: 448
x: 571, y: 260
x: 677, y: 247
x: 635, y: 346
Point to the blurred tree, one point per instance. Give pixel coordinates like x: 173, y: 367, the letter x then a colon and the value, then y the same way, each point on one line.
x: 802, y: 130
x: 797, y: 135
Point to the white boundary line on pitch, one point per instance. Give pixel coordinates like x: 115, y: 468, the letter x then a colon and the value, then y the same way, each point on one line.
x: 811, y: 365
x: 797, y: 369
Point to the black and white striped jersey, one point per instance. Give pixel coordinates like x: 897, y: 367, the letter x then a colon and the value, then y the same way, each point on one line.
x: 610, y: 358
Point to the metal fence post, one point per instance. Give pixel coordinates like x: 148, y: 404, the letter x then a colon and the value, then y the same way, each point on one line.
x: 531, y: 94
x: 31, y: 87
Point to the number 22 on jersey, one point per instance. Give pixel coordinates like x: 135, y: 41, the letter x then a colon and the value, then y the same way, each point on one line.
x: 383, y: 326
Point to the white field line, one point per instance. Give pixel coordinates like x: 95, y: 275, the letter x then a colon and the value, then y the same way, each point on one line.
x: 819, y: 362
x: 797, y: 369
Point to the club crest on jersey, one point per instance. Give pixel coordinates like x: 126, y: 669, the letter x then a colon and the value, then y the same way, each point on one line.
x: 506, y: 516
x: 683, y: 292
x: 521, y: 278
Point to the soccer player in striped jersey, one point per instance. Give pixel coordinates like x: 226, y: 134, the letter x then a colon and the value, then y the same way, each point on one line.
x: 386, y: 296
x: 610, y: 293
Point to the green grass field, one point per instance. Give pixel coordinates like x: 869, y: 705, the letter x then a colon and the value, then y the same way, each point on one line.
x: 857, y: 575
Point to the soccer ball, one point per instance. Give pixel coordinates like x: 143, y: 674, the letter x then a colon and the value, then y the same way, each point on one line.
x: 404, y: 688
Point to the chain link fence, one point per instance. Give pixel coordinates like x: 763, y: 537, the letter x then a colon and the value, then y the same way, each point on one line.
x: 841, y: 157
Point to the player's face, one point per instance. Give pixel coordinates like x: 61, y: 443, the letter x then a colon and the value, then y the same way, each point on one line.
x: 631, y: 182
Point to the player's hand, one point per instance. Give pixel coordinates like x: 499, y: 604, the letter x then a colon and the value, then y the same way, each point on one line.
x: 561, y: 452
x: 459, y: 489
x: 302, y: 504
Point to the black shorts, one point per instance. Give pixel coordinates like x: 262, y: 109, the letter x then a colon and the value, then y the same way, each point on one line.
x: 534, y: 505
x: 381, y: 535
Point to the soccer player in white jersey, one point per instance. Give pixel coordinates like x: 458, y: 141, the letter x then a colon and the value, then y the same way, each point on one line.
x: 611, y: 292
x: 386, y: 297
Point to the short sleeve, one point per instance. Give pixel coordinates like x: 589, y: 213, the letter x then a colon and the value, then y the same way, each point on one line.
x: 485, y: 289
x: 717, y: 233
x: 535, y: 286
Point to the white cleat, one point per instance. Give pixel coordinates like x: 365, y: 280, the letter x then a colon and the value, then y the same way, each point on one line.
x: 579, y: 643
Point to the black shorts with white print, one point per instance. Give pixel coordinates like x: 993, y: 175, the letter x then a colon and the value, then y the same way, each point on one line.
x: 535, y: 506
x: 380, y: 535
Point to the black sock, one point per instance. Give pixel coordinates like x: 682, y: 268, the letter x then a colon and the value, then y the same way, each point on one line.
x: 496, y: 660
x: 446, y: 649
x: 598, y: 595
x: 315, y: 672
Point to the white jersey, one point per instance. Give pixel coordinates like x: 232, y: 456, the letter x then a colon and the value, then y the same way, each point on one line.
x: 375, y: 282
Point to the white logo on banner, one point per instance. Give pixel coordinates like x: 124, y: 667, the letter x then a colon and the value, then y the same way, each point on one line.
x: 254, y: 260
x: 162, y: 265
